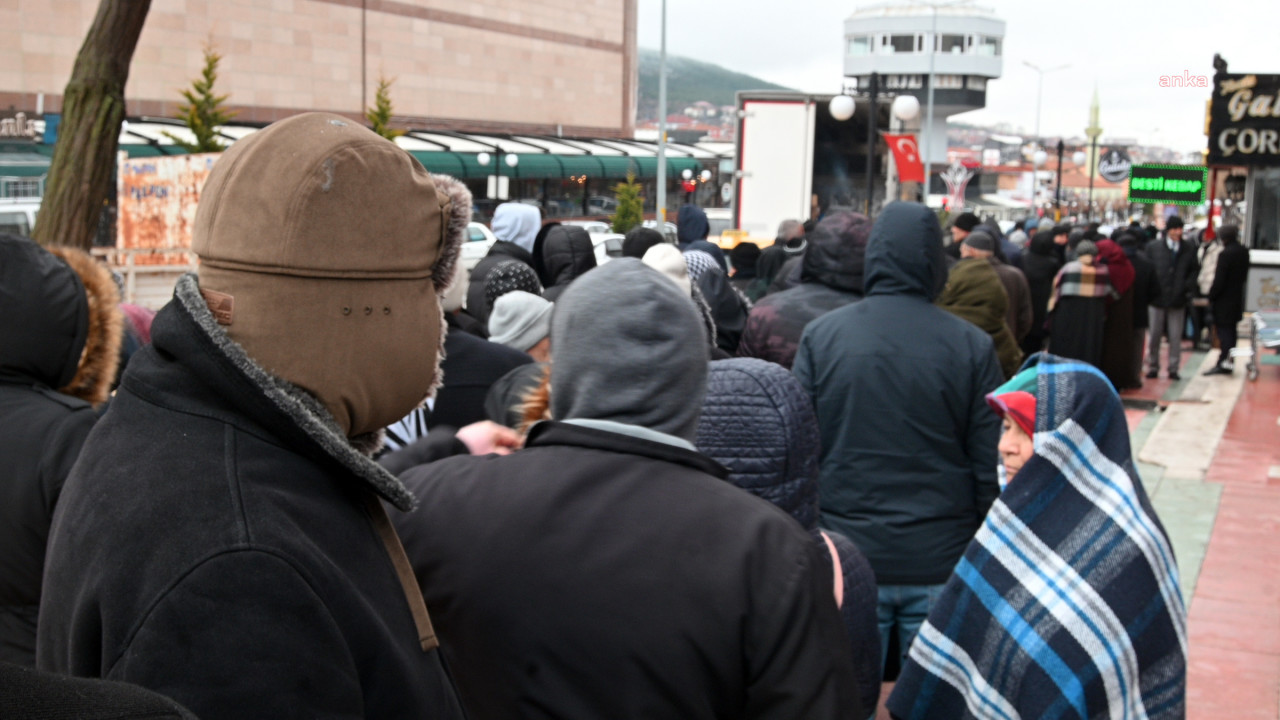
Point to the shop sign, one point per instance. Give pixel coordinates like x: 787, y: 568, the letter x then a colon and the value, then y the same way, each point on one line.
x: 1244, y: 120
x: 1167, y: 184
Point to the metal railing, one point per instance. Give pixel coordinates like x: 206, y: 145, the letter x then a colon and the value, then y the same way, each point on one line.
x: 159, y: 275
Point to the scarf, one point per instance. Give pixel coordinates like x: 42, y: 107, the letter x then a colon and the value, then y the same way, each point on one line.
x: 1119, y: 268
x: 1076, y: 279
x: 1066, y: 604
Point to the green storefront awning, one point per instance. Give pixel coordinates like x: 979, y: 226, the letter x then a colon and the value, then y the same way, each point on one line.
x: 551, y: 166
x: 23, y: 164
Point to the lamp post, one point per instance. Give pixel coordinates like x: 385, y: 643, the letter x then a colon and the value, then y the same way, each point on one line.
x: 1039, y: 88
x: 662, y: 123
x: 1093, y: 131
x: 1057, y: 191
x: 905, y: 109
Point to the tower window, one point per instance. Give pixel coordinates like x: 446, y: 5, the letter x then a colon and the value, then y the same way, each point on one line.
x: 902, y: 43
x: 860, y: 45
x: 989, y: 46
x: 950, y: 43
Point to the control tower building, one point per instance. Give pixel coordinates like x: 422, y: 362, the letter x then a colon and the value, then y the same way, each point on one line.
x: 898, y: 40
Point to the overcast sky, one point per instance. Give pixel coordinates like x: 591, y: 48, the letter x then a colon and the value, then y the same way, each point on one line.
x: 1123, y: 46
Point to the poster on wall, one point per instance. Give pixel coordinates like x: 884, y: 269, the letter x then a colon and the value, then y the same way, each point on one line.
x: 157, y: 199
x: 1244, y: 120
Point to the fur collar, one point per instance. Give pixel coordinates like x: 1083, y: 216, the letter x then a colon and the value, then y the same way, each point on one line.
x: 101, y: 355
x: 303, y: 409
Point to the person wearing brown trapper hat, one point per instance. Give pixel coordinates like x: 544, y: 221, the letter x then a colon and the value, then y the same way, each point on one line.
x: 222, y: 539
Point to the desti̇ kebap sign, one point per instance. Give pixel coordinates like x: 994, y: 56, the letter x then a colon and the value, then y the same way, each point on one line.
x: 1168, y: 184
x: 1244, y: 120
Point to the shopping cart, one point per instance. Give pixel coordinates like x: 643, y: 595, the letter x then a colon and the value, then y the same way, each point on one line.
x: 1264, y: 333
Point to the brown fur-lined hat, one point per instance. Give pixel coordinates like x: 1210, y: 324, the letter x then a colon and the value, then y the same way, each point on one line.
x: 324, y: 249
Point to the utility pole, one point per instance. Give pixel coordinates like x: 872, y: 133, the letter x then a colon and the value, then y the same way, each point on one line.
x: 872, y: 121
x: 662, y: 125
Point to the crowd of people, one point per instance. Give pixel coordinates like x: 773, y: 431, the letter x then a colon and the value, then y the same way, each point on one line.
x: 340, y: 476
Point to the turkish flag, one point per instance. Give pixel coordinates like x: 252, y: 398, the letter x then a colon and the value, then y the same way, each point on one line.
x: 906, y: 153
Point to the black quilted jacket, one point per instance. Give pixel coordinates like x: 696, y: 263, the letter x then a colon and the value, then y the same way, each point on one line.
x: 758, y: 422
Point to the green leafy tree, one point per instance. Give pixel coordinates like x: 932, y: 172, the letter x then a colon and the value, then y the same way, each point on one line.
x: 630, y: 205
x: 379, y: 116
x: 204, y: 111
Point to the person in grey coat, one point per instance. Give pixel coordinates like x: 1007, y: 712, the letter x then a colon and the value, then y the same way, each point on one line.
x: 1176, y: 270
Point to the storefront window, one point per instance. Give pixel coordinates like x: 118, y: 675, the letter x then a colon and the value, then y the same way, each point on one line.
x: 1265, y: 233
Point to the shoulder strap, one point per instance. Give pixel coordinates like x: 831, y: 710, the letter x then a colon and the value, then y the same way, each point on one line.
x: 835, y: 568
x: 404, y: 571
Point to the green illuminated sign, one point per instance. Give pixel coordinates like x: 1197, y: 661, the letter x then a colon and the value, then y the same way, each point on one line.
x: 1168, y: 184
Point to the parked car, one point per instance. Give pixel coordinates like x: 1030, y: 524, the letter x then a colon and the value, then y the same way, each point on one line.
x: 601, y: 205
x: 607, y: 246
x: 668, y: 230
x: 18, y: 215
x: 591, y: 226
x: 479, y: 240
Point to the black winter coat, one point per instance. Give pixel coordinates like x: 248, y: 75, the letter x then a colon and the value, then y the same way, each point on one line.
x: 1176, y: 275
x: 831, y: 277
x: 567, y: 254
x: 29, y: 694
x: 1146, y: 286
x: 501, y: 252
x: 46, y: 325
x: 242, y: 567
x: 596, y: 575
x: 908, y: 442
x: 757, y: 422
x: 1229, y: 283
x: 1040, y: 264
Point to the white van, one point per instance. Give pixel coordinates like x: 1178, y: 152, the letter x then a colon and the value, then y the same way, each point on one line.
x: 18, y: 215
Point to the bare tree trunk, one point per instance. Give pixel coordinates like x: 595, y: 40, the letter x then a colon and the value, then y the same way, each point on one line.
x: 92, y: 109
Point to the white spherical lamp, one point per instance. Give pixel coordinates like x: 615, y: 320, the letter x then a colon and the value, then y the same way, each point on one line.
x: 1039, y: 158
x: 513, y: 160
x: 687, y: 174
x: 906, y: 108
x: 841, y: 107
x: 483, y: 158
x: 705, y: 175
x: 1079, y: 158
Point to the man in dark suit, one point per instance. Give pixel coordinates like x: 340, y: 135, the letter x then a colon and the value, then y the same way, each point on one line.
x: 1176, y: 267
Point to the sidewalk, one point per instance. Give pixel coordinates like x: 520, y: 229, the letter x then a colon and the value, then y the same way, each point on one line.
x: 1208, y: 451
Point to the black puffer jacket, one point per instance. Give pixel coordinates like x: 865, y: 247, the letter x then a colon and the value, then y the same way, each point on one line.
x: 908, y: 442
x: 758, y: 423
x: 1040, y: 264
x: 831, y: 277
x: 502, y: 251
x: 567, y: 254
x: 58, y: 353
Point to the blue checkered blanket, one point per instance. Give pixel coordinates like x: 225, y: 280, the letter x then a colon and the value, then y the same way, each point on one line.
x: 1066, y: 604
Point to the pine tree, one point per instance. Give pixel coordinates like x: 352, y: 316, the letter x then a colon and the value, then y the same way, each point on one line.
x: 379, y: 116
x: 630, y: 205
x: 204, y: 111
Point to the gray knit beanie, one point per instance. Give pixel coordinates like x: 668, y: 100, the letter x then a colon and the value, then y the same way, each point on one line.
x: 520, y: 320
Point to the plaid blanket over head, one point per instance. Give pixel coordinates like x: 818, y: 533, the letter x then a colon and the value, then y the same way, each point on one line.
x: 1066, y: 604
x: 1076, y: 279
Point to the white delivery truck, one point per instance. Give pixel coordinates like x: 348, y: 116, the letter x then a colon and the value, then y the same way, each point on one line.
x: 792, y: 153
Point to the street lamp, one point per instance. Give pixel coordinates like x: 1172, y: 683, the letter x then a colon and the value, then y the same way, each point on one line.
x: 904, y: 110
x: 1040, y: 87
x: 1079, y: 158
x: 1037, y: 160
x: 1057, y: 190
x: 927, y: 135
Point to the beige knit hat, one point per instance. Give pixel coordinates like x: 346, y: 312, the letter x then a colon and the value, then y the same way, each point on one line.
x: 323, y: 250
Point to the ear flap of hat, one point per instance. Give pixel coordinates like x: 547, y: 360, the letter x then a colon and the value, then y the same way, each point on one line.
x: 455, y: 211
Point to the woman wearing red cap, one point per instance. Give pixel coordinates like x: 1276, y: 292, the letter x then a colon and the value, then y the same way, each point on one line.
x: 1066, y: 603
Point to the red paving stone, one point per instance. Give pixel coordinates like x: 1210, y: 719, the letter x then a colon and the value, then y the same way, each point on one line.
x: 1134, y: 417
x: 1234, y: 623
